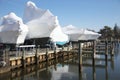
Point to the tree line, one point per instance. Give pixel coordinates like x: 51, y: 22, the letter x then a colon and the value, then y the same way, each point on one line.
x: 108, y: 32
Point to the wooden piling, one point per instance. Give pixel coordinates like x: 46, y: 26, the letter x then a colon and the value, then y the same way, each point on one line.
x: 93, y: 59
x: 106, y: 67
x: 80, y: 59
x: 112, y: 48
x: 6, y: 56
x: 23, y: 59
x: 94, y: 49
x: 68, y: 47
x: 55, y: 54
x: 36, y: 55
x: 68, y: 55
x: 47, y: 54
x: 106, y: 47
x: 94, y: 70
x: 80, y: 53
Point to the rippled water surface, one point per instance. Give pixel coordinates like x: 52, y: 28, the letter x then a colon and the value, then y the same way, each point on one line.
x: 70, y: 70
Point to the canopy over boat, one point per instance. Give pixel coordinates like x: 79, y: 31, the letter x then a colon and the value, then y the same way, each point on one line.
x: 12, y: 30
x: 42, y: 23
x: 76, y: 34
x: 58, y: 36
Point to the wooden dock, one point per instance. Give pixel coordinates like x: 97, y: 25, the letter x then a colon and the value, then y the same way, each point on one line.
x: 45, y: 56
x: 23, y: 59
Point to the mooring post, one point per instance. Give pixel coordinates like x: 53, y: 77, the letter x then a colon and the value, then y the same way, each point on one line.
x: 68, y: 53
x: 86, y: 44
x: 80, y: 53
x: 63, y: 48
x: 93, y: 59
x: 106, y: 58
x: 80, y: 59
x: 36, y: 55
x: 94, y: 49
x: 4, y: 55
x: 47, y: 54
x: 8, y: 57
x: 112, y: 48
x: 94, y: 70
x: 68, y: 47
x: 55, y: 66
x: 106, y: 47
x: 23, y: 58
x: 106, y: 67
x: 55, y: 53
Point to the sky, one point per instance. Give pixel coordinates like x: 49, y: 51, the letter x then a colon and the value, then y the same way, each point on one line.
x: 91, y: 14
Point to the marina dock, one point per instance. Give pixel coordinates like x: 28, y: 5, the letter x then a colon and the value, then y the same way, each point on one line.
x: 24, y: 59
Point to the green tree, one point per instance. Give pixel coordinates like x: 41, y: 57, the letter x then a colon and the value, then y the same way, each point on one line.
x: 106, y: 32
x: 116, y: 32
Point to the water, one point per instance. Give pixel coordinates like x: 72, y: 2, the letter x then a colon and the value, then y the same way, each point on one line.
x: 70, y: 70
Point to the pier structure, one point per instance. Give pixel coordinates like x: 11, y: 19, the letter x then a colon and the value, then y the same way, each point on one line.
x: 36, y: 55
x: 30, y: 54
x: 94, y: 52
x: 44, y: 66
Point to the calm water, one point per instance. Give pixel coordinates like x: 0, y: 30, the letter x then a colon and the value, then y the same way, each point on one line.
x: 69, y: 70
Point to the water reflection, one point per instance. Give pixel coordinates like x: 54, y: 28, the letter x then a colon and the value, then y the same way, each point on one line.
x: 101, y: 68
x: 63, y: 73
x: 69, y: 70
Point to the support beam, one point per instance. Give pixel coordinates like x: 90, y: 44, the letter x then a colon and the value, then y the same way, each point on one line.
x: 55, y: 53
x: 80, y: 59
x: 94, y: 70
x: 47, y: 54
x: 106, y: 67
x: 80, y: 53
x: 106, y: 47
x: 93, y: 59
x: 112, y: 48
x: 36, y: 55
x: 94, y: 49
x: 23, y: 58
